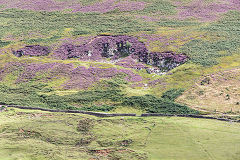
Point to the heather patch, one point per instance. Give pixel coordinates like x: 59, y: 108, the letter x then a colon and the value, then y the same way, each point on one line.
x: 72, y: 51
x: 130, y: 5
x: 207, y: 11
x: 83, y: 2
x: 156, y: 82
x: 39, y: 5
x: 1, y: 51
x: 82, y: 78
x: 8, y: 68
x: 102, y: 46
x: 153, y: 37
x: 75, y: 6
x: 42, y: 72
x: 33, y: 50
x: 31, y: 71
x: 129, y: 62
x: 170, y: 35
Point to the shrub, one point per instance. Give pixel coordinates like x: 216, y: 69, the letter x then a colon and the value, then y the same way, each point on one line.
x: 86, y: 97
x: 29, y: 95
x: 153, y: 104
x: 85, y: 125
x: 172, y: 94
x: 4, y: 43
x: 57, y: 102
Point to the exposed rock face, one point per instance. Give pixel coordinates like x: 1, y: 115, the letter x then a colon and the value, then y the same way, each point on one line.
x: 102, y: 47
x: 119, y: 46
x: 113, y: 47
x: 18, y: 53
x: 165, y: 61
x: 33, y: 50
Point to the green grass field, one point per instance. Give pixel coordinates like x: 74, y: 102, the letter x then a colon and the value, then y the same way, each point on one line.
x: 36, y: 135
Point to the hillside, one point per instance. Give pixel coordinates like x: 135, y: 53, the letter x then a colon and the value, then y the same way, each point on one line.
x: 153, y: 46
x: 178, y: 57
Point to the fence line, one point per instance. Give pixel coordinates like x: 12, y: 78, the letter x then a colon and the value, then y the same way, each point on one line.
x: 101, y: 114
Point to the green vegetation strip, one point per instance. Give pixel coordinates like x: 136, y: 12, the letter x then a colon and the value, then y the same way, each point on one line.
x: 106, y: 96
x: 98, y: 114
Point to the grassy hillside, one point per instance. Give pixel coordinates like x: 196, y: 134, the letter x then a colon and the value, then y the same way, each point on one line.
x: 216, y: 93
x: 42, y: 135
x: 208, y: 55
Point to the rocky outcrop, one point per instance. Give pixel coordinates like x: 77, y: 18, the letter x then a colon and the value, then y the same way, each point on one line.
x: 32, y: 50
x: 119, y: 46
x: 112, y: 47
x: 100, y: 47
x: 165, y: 61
